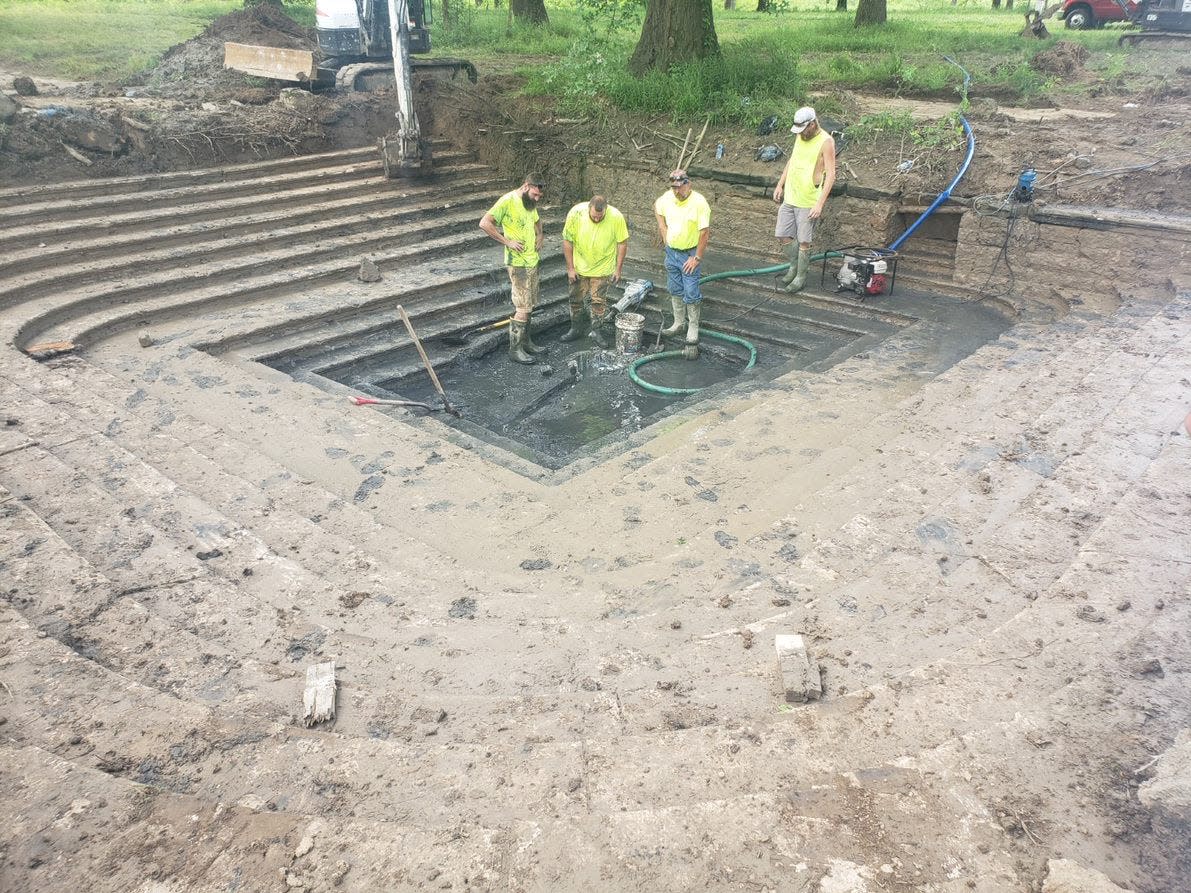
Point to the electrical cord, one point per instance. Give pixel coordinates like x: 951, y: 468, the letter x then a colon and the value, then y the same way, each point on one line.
x: 1003, y: 255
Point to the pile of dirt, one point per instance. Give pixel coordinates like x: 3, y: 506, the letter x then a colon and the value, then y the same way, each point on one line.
x: 194, y: 69
x: 1064, y: 59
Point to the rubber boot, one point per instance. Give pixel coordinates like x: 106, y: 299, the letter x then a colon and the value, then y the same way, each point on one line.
x: 527, y: 340
x: 599, y: 331
x: 804, y: 264
x: 679, y: 309
x: 579, y: 327
x: 790, y: 249
x: 693, y: 312
x: 517, y: 352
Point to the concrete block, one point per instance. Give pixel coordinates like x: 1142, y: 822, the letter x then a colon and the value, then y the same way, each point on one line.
x: 798, y: 676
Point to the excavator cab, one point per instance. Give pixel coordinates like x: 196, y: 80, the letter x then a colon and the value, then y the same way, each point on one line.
x: 351, y: 31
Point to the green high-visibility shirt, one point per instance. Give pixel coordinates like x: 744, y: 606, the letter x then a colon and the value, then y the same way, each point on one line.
x: 519, y: 224
x: 684, y: 219
x: 594, y: 244
x: 801, y: 189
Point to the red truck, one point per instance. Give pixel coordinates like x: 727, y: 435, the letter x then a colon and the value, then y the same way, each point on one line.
x: 1081, y: 14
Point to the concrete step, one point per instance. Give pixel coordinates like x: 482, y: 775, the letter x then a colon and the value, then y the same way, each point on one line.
x: 41, y: 271
x: 226, y: 289
x: 218, y: 209
x: 62, y: 596
x: 164, y: 180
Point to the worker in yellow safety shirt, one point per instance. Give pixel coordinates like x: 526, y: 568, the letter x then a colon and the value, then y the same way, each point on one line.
x: 801, y: 193
x: 513, y: 221
x: 595, y: 239
x: 684, y: 224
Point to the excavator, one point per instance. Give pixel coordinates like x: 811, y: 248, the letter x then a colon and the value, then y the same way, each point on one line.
x: 363, y: 45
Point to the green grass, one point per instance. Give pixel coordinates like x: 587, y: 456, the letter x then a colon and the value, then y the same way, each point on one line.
x: 105, y: 40
x: 768, y: 62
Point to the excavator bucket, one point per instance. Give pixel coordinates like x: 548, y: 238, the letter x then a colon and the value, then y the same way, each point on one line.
x: 404, y: 157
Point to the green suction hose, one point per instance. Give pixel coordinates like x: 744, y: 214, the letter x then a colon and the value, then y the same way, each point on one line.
x: 666, y: 354
x: 761, y: 271
x: 732, y: 339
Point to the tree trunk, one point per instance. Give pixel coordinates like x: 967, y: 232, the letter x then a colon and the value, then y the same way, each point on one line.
x: 674, y: 31
x: 996, y: 4
x: 870, y: 12
x: 729, y: 4
x: 531, y: 12
x: 446, y: 13
x: 841, y: 5
x: 763, y: 5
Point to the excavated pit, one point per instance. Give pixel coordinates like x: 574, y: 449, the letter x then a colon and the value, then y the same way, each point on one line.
x: 579, y: 402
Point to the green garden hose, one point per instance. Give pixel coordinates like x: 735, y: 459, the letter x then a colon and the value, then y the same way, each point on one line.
x: 666, y: 354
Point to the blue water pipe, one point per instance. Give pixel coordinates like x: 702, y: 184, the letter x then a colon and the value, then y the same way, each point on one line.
x: 945, y: 194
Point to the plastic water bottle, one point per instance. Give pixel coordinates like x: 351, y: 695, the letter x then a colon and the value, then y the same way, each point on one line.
x: 719, y: 151
x: 1025, y: 185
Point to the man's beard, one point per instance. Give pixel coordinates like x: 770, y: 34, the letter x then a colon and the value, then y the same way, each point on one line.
x: 529, y: 203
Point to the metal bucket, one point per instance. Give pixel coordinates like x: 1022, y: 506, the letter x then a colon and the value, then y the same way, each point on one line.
x: 629, y: 327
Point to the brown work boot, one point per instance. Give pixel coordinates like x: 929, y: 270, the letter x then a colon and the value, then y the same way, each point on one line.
x: 517, y: 352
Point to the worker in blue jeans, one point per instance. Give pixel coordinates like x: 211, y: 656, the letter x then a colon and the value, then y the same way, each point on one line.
x: 684, y: 224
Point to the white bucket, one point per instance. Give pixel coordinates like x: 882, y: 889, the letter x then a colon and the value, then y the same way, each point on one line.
x: 629, y: 327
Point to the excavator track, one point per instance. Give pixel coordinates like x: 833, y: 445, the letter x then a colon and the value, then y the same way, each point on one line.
x: 365, y: 76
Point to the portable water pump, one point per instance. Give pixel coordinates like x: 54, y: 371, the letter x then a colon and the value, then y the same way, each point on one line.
x: 865, y: 271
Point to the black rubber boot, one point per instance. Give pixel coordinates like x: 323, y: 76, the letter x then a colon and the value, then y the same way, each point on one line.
x: 579, y: 325
x: 600, y: 326
x: 527, y: 341
x: 517, y: 353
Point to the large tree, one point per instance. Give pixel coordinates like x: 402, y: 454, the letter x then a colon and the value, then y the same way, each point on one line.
x: 870, y: 12
x: 674, y: 31
x: 532, y: 12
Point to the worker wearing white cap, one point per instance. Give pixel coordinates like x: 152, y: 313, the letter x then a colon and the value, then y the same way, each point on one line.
x: 801, y: 193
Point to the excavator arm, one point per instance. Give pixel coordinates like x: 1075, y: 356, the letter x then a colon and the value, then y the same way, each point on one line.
x: 403, y: 151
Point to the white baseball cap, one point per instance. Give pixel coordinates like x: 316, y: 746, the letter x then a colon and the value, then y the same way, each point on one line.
x: 802, y: 117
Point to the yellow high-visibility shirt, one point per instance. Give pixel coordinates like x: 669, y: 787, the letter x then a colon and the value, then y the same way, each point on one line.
x: 594, y: 244
x: 684, y: 219
x: 519, y: 224
x: 801, y: 189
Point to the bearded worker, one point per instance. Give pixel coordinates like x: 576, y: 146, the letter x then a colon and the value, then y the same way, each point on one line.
x: 684, y: 224
x: 595, y: 240
x: 801, y: 193
x: 513, y: 221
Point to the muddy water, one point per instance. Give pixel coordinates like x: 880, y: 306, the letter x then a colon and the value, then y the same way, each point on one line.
x: 577, y: 395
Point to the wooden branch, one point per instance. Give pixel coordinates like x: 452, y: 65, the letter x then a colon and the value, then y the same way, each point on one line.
x: 77, y: 155
x: 682, y: 151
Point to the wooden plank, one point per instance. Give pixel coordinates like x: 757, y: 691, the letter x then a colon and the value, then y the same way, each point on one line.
x: 270, y: 62
x: 319, y: 697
